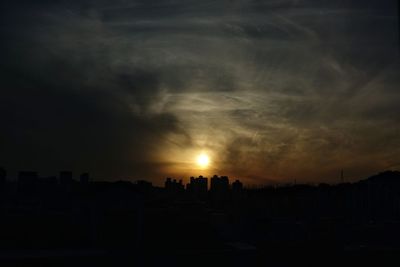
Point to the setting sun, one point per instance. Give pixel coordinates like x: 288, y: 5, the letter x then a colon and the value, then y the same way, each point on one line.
x: 203, y: 160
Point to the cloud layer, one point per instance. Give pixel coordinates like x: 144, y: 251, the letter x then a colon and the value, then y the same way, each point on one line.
x: 272, y: 90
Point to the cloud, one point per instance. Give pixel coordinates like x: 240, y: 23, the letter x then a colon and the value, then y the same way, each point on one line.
x: 275, y: 89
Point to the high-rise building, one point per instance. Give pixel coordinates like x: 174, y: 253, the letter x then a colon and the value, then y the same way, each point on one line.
x: 65, y: 178
x: 3, y: 175
x: 27, y: 177
x: 27, y: 181
x: 173, y: 186
x: 84, y: 178
x: 219, y: 190
x: 237, y: 186
x: 219, y: 184
x: 198, y: 187
x: 144, y: 186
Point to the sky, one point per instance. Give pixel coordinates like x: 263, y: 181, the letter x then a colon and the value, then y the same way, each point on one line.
x: 271, y: 91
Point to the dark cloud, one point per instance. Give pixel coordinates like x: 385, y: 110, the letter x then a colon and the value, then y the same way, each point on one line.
x: 80, y: 130
x: 272, y: 89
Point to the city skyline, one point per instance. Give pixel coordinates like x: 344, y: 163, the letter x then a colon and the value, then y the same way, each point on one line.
x: 67, y: 176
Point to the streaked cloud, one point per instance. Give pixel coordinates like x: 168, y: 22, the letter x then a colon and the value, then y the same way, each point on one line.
x: 273, y: 90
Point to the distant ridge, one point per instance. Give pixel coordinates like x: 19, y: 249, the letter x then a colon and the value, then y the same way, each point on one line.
x: 386, y: 176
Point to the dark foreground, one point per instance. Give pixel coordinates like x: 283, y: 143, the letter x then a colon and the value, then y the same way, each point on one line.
x: 125, y: 224
x: 228, y: 257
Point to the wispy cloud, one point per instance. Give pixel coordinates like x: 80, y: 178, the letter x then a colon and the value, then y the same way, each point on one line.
x: 272, y: 89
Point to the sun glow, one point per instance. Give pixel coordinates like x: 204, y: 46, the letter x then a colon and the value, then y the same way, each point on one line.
x: 203, y: 160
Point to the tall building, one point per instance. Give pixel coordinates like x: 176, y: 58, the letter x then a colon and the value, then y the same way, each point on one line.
x: 219, y: 190
x: 27, y: 181
x: 198, y: 187
x: 144, y: 186
x: 219, y: 184
x: 173, y: 186
x: 27, y: 177
x: 237, y: 186
x: 84, y: 178
x: 65, y: 178
x: 3, y: 175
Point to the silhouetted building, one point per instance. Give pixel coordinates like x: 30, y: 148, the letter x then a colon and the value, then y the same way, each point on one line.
x: 237, y: 187
x: 27, y: 181
x: 84, y: 178
x: 219, y: 184
x: 383, y: 191
x: 219, y: 190
x: 27, y: 177
x: 172, y: 186
x: 144, y: 186
x: 168, y: 183
x: 47, y: 184
x: 50, y: 180
x: 3, y: 175
x: 65, y: 178
x: 198, y: 187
